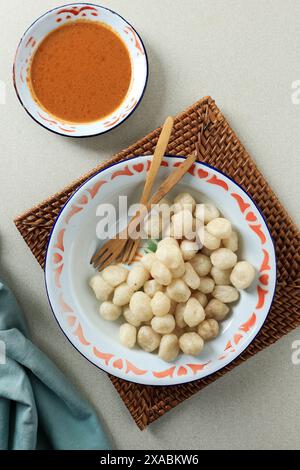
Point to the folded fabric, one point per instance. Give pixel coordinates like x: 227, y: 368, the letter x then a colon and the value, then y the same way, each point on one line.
x: 39, y: 409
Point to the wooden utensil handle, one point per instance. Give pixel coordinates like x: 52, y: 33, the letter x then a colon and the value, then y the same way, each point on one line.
x: 172, y: 180
x: 164, y: 189
x: 159, y: 153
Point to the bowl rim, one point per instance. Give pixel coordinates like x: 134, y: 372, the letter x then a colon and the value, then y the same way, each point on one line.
x: 115, y: 125
x: 159, y: 384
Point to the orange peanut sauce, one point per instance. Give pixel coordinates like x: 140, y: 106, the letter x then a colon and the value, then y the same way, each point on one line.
x: 81, y: 72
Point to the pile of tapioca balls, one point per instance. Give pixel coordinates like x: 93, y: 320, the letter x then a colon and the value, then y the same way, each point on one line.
x: 174, y: 299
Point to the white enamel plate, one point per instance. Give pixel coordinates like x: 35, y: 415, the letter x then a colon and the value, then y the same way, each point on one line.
x: 68, y: 271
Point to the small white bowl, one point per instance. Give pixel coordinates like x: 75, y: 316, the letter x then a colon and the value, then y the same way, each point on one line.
x: 53, y: 19
x: 73, y: 242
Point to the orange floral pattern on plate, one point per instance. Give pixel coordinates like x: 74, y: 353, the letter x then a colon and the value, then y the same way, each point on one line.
x: 121, y: 116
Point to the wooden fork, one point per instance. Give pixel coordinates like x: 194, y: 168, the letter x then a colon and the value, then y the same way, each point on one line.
x: 113, y: 249
x: 132, y: 246
x: 128, y: 245
x: 161, y: 147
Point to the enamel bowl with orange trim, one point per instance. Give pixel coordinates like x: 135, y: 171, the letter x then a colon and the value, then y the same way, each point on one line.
x: 73, y: 242
x: 130, y: 95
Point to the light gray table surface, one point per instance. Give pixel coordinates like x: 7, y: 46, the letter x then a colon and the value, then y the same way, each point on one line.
x: 245, y: 54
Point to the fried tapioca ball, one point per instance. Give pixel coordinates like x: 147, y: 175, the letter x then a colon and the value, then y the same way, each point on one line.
x: 189, y: 249
x: 128, y: 334
x: 193, y: 313
x: 101, y: 288
x: 161, y: 273
x: 232, y: 242
x: 208, y: 240
x: 202, y: 298
x: 169, y: 348
x: 148, y: 260
x: 201, y: 264
x: 178, y: 272
x: 220, y: 228
x: 122, y: 295
x: 190, y: 277
x: 115, y: 275
x: 220, y: 276
x: 110, y: 311
x: 182, y: 225
x: 226, y: 294
x: 171, y: 256
x: 242, y: 275
x: 184, y: 201
x: 130, y: 317
x: 178, y: 291
x: 148, y: 339
x: 209, y: 329
x: 207, y: 285
x: 180, y: 323
x: 137, y: 277
x: 223, y: 258
x: 216, y: 309
x: 167, y: 241
x: 151, y: 287
x: 160, y: 304
x: 163, y: 325
x: 140, y: 306
x: 206, y: 212
x: 191, y: 344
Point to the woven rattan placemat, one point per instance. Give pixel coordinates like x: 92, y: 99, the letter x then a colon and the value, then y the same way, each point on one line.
x: 222, y: 149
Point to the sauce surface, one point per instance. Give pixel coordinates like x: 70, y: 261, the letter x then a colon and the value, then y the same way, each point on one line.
x: 81, y: 72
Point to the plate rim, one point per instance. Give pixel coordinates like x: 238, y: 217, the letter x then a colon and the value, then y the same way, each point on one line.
x: 163, y: 382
